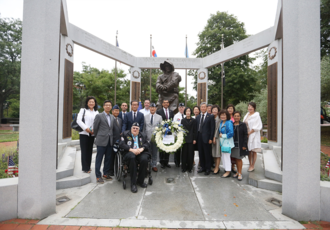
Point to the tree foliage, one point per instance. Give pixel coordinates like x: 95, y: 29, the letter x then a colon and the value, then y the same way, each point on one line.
x: 239, y: 77
x: 10, y: 59
x: 325, y: 78
x: 325, y: 27
x: 100, y: 84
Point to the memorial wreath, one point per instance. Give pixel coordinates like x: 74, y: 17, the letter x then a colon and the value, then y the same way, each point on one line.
x: 166, y: 128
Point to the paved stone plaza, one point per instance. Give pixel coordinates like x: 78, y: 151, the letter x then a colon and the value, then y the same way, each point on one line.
x: 192, y: 201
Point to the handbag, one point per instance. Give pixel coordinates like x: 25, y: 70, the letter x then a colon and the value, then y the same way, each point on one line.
x: 74, y: 124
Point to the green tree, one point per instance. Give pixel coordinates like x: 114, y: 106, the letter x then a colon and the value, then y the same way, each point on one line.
x: 239, y: 79
x: 10, y: 59
x: 100, y: 84
x: 145, y: 84
x: 325, y: 27
x: 325, y: 78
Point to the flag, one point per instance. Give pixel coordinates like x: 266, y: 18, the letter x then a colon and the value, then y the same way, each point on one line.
x: 117, y: 44
x: 140, y: 106
x: 223, y: 74
x: 328, y: 167
x: 186, y: 52
x: 154, y: 52
x: 12, y: 168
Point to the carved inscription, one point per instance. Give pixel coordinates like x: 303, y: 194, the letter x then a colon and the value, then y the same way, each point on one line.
x: 67, y: 98
x: 272, y: 102
x: 201, y: 93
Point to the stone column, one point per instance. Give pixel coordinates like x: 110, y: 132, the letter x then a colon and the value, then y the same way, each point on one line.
x: 202, y: 84
x: 38, y: 108
x: 301, y: 109
x: 135, y: 85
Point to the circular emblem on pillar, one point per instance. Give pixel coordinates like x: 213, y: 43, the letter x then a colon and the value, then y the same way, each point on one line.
x: 136, y: 74
x: 202, y: 75
x: 69, y: 49
x: 272, y: 53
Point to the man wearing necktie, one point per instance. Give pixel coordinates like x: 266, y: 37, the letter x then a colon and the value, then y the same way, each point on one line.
x: 133, y: 116
x: 116, y: 134
x: 177, y: 118
x: 166, y: 114
x: 123, y: 112
x: 205, y: 133
x: 151, y: 121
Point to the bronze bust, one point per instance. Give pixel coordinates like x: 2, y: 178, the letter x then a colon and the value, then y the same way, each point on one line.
x: 167, y: 86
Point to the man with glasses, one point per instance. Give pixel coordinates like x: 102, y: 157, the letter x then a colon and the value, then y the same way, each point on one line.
x: 135, y: 146
x: 133, y: 116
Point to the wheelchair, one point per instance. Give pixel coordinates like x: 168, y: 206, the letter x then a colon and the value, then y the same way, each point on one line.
x: 121, y: 169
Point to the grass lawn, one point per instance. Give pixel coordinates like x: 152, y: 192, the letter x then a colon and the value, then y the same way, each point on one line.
x: 8, y: 136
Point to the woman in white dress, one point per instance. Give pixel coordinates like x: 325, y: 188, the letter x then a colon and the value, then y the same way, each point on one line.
x: 254, y: 125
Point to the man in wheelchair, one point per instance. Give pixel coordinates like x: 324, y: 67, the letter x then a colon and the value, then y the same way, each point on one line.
x: 135, y: 146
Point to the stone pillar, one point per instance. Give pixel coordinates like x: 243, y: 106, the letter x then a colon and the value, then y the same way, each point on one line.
x: 202, y: 84
x: 301, y: 109
x: 135, y: 85
x: 38, y: 108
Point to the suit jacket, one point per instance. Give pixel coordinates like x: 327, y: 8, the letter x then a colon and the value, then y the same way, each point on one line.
x: 148, y: 127
x: 102, y: 131
x: 207, y: 129
x: 162, y: 113
x: 117, y: 129
x: 121, y: 116
x: 190, y: 126
x: 128, y: 121
x: 127, y: 142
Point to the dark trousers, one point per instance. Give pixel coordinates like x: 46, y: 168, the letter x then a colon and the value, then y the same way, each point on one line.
x: 204, y: 153
x: 163, y: 158
x: 107, y: 152
x: 132, y: 161
x: 188, y: 153
x: 177, y: 156
x: 86, y: 146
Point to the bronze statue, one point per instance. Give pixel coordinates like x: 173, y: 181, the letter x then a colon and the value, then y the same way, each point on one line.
x: 167, y: 86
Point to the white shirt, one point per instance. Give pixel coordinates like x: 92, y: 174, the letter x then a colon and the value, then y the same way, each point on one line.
x: 145, y: 111
x: 178, y: 117
x: 123, y: 115
x: 89, y: 119
x: 108, y: 118
x: 136, y: 112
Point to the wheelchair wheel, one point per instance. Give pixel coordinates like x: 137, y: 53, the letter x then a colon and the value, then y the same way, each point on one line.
x: 150, y: 181
x: 118, y: 166
x: 124, y: 184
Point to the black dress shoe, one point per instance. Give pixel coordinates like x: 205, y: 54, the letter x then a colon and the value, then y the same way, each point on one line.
x: 201, y: 170
x: 207, y: 173
x: 177, y: 165
x: 133, y: 188
x: 168, y: 166
x: 143, y: 185
x: 190, y: 171
x: 111, y: 174
x: 162, y: 166
x: 183, y: 170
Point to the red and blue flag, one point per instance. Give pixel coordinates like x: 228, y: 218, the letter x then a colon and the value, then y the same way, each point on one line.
x: 154, y: 52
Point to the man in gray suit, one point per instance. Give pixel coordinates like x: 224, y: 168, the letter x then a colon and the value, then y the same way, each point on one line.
x: 151, y: 121
x: 103, y: 131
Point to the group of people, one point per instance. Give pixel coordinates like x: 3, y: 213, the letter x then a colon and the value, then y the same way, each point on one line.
x: 216, y: 135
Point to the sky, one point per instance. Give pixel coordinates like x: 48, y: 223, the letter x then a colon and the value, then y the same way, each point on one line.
x: 169, y: 22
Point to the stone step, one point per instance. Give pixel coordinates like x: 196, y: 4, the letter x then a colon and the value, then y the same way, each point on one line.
x: 257, y: 177
x: 67, y: 163
x: 272, y: 169
x: 73, y: 181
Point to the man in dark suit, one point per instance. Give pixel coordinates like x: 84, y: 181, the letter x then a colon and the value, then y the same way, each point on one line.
x: 103, y: 131
x: 116, y: 135
x: 123, y: 112
x: 205, y: 133
x: 166, y: 114
x: 135, y: 146
x: 133, y: 116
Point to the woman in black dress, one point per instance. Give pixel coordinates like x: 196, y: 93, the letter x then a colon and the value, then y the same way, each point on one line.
x: 188, y: 153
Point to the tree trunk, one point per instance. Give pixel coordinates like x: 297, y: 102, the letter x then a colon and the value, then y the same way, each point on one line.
x: 1, y: 110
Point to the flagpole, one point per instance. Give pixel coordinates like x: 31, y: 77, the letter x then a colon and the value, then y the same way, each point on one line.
x: 222, y: 68
x: 150, y: 69
x: 186, y: 74
x: 116, y: 72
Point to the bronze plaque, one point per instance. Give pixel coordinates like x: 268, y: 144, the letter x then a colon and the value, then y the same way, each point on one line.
x: 201, y: 93
x: 135, y: 91
x: 272, y: 102
x: 67, y: 100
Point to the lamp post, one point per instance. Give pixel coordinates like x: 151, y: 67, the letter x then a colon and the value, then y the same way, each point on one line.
x: 222, y: 75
